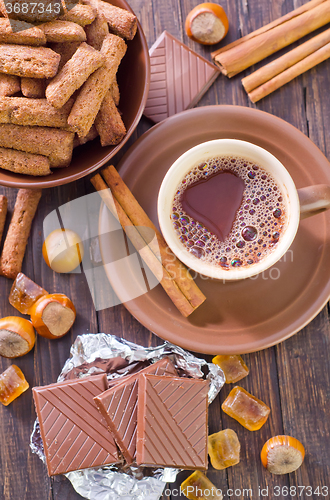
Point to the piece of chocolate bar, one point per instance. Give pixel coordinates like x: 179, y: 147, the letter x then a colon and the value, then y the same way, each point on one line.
x: 73, y: 432
x: 172, y: 422
x: 118, y: 405
x: 179, y: 78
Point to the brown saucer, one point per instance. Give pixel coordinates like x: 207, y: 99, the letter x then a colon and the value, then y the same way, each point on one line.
x: 243, y: 316
x: 133, y: 80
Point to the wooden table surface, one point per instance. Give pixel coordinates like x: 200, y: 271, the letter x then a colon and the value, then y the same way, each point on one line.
x: 293, y: 377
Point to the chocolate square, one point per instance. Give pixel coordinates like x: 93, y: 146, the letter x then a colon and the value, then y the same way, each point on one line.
x: 179, y: 78
x: 74, y: 434
x: 172, y: 425
x: 118, y: 405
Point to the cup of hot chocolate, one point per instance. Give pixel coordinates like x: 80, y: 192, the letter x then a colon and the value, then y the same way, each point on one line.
x: 229, y: 209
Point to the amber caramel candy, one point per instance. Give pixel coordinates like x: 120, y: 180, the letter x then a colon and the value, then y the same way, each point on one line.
x: 198, y: 487
x: 232, y: 366
x: 224, y: 449
x: 24, y: 293
x: 246, y: 409
x: 12, y: 384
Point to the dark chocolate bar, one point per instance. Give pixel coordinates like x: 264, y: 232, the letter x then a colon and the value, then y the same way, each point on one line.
x: 74, y: 434
x: 118, y: 405
x: 172, y: 422
x: 179, y: 78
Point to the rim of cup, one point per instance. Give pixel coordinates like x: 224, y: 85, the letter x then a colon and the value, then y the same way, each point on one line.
x: 227, y: 147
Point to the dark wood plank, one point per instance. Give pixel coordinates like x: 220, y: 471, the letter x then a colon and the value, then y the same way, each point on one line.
x: 20, y: 471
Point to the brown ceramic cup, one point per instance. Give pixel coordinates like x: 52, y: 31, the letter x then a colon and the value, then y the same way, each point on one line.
x: 299, y: 204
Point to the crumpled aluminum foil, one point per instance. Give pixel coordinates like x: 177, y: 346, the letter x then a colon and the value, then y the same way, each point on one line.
x: 89, y: 355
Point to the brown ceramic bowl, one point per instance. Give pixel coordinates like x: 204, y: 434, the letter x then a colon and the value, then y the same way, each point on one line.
x: 133, y: 80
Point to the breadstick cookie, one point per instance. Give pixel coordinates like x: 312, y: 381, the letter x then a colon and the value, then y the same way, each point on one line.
x: 108, y: 122
x: 9, y: 85
x: 3, y: 213
x: 92, y: 134
x: 97, y: 31
x: 80, y: 14
x: 18, y: 233
x: 34, y: 62
x: 24, y: 163
x: 115, y: 92
x: 33, y: 87
x: 92, y: 93
x: 121, y: 22
x: 73, y: 74
x: 63, y: 31
x: 66, y: 51
x: 21, y: 33
x: 56, y: 144
x: 34, y: 112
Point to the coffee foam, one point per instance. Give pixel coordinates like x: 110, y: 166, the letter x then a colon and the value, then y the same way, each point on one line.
x: 262, y: 197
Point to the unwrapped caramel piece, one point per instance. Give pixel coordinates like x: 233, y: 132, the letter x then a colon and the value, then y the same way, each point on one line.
x: 198, y: 487
x: 12, y: 384
x: 248, y: 410
x: 224, y: 449
x: 24, y: 293
x: 232, y: 366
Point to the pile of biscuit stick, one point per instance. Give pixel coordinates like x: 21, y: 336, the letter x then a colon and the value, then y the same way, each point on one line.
x: 58, y: 85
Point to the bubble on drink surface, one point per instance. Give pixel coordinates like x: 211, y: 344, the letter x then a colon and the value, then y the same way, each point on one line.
x: 184, y: 220
x: 249, y: 233
x: 197, y: 252
x: 251, y: 218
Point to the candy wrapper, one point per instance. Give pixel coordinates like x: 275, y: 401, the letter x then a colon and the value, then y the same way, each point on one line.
x: 101, y: 353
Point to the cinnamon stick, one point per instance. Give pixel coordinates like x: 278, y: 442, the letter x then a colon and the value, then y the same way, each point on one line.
x: 276, y: 67
x: 294, y: 13
x: 154, y: 264
x: 260, y: 44
x: 286, y: 76
x: 176, y: 269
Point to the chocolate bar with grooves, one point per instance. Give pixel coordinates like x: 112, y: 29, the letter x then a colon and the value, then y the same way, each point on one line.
x: 179, y: 78
x: 73, y: 432
x: 172, y: 426
x: 118, y: 405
